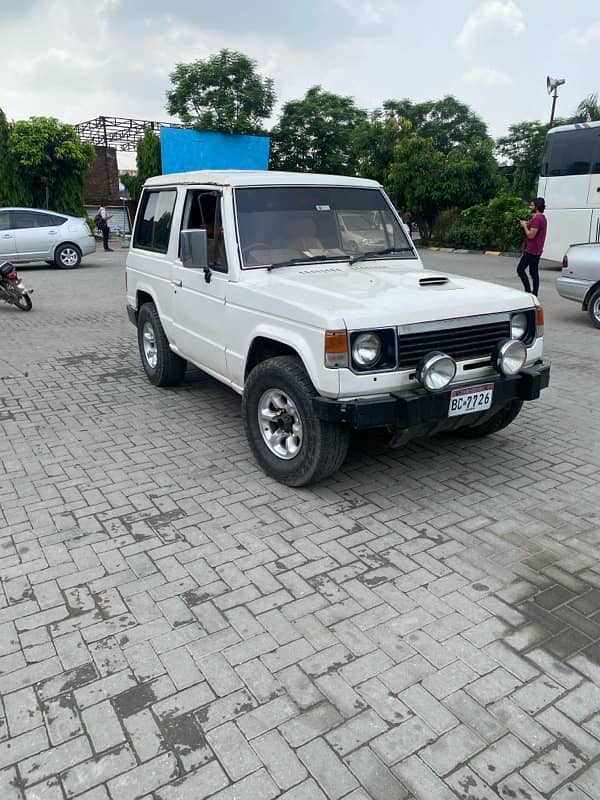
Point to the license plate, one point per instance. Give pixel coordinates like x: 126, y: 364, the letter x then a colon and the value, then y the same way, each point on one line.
x: 471, y: 399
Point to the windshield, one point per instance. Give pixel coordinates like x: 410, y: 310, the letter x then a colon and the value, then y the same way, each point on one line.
x: 285, y: 224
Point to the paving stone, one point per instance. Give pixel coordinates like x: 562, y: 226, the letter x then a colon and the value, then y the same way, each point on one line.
x: 451, y: 749
x: 50, y: 762
x: 421, y: 781
x: 279, y: 759
x: 235, y: 755
x: 102, y: 726
x: 22, y: 711
x: 551, y: 768
x: 200, y: 784
x: 403, y: 740
x: 144, y: 734
x: 95, y: 771
x: 324, y: 765
x: 145, y: 778
x: 375, y: 777
x: 500, y: 759
x: 522, y: 724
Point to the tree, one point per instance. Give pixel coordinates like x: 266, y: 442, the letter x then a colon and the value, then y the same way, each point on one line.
x: 148, y: 162
x: 588, y: 109
x: 225, y: 93
x: 522, y: 148
x: 315, y: 134
x: 13, y: 191
x: 50, y: 154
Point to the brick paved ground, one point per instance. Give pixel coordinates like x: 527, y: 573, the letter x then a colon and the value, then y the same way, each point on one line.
x: 175, y: 625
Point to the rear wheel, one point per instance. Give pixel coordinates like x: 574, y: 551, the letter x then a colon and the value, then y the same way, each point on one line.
x: 594, y: 308
x: 499, y: 420
x: 288, y: 441
x: 162, y: 366
x: 67, y: 256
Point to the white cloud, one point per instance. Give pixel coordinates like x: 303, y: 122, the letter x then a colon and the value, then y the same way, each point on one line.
x: 369, y: 11
x: 487, y: 77
x: 583, y: 39
x: 490, y: 19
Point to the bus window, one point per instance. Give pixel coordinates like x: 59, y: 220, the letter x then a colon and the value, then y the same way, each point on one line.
x: 574, y: 152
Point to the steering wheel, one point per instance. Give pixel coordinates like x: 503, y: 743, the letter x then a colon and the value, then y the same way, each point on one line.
x: 246, y: 251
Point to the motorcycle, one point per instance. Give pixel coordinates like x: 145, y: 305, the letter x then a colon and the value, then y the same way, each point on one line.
x: 12, y: 289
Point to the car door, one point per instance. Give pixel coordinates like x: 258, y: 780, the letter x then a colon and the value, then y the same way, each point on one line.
x: 7, y: 237
x: 35, y: 235
x: 198, y: 303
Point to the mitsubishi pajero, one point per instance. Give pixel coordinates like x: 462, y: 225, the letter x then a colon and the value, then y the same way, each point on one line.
x: 259, y: 279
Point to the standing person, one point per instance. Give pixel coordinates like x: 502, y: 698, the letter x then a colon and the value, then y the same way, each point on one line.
x: 102, y: 218
x: 533, y: 246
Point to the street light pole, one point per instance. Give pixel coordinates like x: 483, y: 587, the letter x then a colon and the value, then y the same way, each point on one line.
x: 554, y: 96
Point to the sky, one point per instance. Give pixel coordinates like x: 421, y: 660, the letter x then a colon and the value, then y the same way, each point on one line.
x: 79, y: 59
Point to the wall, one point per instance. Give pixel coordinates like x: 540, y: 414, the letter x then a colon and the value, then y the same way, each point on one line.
x: 102, y: 181
x: 183, y: 149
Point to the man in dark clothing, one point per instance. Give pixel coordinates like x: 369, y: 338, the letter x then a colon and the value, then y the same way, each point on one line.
x: 103, y: 216
x: 533, y: 246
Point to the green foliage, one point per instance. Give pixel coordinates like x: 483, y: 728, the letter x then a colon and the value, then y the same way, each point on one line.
x: 522, y: 148
x: 485, y: 226
x: 49, y: 153
x: 13, y: 191
x: 148, y: 161
x: 316, y: 134
x: 224, y: 93
x: 589, y: 108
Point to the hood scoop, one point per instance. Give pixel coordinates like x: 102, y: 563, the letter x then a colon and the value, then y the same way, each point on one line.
x: 320, y: 270
x: 434, y: 280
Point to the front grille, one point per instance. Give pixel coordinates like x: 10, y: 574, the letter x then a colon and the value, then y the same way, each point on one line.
x: 472, y: 341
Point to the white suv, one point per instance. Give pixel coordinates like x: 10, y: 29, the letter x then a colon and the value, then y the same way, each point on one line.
x: 251, y: 277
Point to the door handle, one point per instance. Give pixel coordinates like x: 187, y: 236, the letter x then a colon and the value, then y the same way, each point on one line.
x: 177, y: 283
x: 6, y: 236
x: 51, y: 233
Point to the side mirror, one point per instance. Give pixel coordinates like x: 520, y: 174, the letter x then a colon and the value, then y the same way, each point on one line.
x: 194, y: 249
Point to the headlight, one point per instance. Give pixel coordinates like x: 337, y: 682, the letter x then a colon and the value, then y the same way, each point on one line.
x: 519, y: 325
x: 436, y: 371
x: 509, y: 356
x: 366, y: 350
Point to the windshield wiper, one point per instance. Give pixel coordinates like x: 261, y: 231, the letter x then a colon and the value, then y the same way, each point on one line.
x: 305, y: 260
x: 373, y: 253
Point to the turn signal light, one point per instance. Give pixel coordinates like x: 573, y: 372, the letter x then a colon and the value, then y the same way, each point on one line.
x: 539, y: 321
x: 336, y: 349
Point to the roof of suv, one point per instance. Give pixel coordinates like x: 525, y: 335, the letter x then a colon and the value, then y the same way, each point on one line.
x: 246, y: 177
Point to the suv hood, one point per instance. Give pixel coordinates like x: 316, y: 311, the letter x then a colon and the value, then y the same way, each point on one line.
x: 382, y: 294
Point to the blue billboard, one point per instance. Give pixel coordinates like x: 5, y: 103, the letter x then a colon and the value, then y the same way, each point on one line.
x: 183, y: 149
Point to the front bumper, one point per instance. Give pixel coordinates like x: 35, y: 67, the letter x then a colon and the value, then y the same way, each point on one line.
x: 418, y: 407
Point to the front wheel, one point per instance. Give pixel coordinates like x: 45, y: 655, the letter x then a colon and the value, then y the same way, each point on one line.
x: 162, y: 366
x: 594, y: 308
x: 288, y: 441
x: 493, y: 424
x: 23, y: 302
x: 67, y: 256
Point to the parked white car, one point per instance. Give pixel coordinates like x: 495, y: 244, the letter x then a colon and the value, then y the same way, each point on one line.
x: 580, y: 278
x: 248, y: 276
x: 29, y: 234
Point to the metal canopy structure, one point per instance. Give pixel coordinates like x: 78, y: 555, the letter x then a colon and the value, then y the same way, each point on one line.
x: 118, y: 132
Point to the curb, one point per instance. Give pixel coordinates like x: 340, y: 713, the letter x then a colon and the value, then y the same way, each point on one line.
x: 507, y: 254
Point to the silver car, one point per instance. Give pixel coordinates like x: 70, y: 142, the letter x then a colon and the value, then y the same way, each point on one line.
x: 28, y: 234
x: 580, y: 278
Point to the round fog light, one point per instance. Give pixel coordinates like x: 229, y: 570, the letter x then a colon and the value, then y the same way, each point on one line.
x: 509, y: 356
x: 435, y: 371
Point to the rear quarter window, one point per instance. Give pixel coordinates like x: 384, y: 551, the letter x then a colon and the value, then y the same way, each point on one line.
x: 154, y: 220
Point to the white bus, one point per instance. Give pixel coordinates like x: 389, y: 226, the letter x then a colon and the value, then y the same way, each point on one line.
x: 570, y: 184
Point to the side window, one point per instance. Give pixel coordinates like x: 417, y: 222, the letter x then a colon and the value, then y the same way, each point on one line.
x: 5, y: 224
x: 203, y: 210
x: 25, y: 219
x: 154, y: 220
x: 572, y: 152
x: 55, y: 220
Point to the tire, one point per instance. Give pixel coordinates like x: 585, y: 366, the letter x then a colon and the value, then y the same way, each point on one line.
x: 594, y: 308
x: 67, y: 256
x: 499, y: 420
x: 162, y: 366
x: 24, y: 302
x: 278, y: 398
